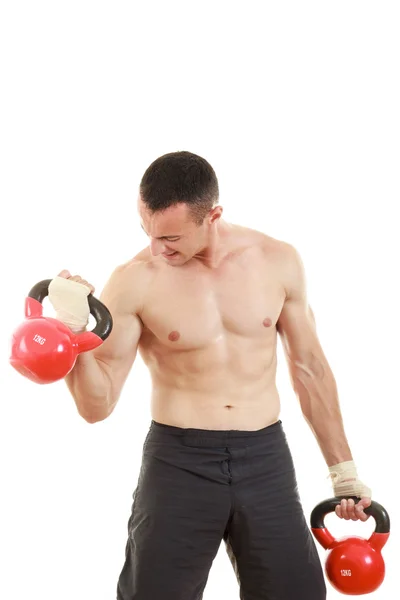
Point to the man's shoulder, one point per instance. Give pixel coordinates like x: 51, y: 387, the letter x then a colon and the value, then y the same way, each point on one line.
x: 272, y: 246
x: 144, y: 256
x: 142, y: 262
x: 283, y: 258
x: 132, y: 272
x: 128, y: 283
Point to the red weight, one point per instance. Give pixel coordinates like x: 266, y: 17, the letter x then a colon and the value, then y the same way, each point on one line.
x: 353, y: 565
x: 45, y: 350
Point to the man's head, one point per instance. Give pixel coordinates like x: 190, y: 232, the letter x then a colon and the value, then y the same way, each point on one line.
x: 178, y: 206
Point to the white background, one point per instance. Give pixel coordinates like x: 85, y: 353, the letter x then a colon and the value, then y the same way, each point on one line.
x: 296, y: 106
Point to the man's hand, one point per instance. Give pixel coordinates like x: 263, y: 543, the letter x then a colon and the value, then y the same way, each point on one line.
x: 68, y: 296
x: 347, y: 486
x: 349, y: 510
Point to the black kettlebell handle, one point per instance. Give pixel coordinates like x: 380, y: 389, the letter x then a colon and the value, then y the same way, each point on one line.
x: 100, y: 312
x: 375, y: 510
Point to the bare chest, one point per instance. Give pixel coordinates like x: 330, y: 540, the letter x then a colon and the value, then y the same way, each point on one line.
x: 188, y: 310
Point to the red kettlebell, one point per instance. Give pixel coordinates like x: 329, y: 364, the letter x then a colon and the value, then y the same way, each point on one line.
x: 45, y: 350
x: 354, y: 565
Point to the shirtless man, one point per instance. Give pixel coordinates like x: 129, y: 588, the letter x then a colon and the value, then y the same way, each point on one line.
x: 204, y: 304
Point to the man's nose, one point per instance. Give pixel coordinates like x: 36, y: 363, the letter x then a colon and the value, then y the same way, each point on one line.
x: 156, y: 247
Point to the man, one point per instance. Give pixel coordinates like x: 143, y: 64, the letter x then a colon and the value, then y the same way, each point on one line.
x: 203, y: 304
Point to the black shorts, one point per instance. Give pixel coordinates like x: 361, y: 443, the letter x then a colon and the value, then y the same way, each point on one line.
x: 199, y: 487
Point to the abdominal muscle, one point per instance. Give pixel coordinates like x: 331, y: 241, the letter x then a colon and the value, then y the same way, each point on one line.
x: 199, y: 411
x: 191, y: 390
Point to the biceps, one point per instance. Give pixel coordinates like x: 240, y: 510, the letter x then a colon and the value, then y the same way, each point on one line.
x: 296, y: 326
x: 118, y: 352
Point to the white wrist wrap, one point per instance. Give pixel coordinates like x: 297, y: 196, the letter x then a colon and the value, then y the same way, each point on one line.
x: 345, y: 480
x: 69, y: 300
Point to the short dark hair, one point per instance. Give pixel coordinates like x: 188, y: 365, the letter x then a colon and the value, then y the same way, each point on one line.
x: 180, y: 177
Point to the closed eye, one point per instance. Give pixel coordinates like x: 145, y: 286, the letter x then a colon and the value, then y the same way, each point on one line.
x: 164, y: 237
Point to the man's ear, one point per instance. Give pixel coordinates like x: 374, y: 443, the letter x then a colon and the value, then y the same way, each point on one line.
x: 215, y: 214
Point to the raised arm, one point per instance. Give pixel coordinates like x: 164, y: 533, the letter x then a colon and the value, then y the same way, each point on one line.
x: 98, y: 376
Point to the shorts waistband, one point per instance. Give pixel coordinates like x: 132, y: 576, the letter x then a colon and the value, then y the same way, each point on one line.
x: 216, y: 434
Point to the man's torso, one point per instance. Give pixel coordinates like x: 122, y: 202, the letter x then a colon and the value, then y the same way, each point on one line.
x: 209, y: 335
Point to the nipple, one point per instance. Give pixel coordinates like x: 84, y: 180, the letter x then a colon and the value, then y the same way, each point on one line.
x: 174, y: 336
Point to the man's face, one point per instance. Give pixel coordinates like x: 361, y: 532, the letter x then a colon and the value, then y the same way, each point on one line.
x: 172, y: 233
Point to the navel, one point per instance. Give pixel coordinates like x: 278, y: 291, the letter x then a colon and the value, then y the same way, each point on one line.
x: 267, y: 322
x: 174, y: 336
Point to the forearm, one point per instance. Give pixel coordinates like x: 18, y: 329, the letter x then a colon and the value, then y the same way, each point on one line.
x: 90, y: 387
x: 316, y: 389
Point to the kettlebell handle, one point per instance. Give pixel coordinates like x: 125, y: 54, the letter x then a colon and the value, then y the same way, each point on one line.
x: 98, y: 310
x: 375, y: 510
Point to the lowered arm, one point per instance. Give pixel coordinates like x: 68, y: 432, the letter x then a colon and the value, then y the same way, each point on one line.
x: 310, y: 373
